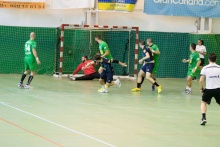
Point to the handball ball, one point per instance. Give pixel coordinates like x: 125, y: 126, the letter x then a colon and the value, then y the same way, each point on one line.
x: 70, y: 52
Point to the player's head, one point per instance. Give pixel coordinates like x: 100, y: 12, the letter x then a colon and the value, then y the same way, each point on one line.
x: 84, y: 58
x: 212, y: 57
x: 192, y: 47
x: 98, y: 38
x: 97, y: 57
x: 32, y: 35
x: 200, y: 42
x: 149, y: 41
x: 142, y: 44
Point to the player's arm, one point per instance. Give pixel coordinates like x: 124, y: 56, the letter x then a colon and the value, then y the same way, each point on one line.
x: 90, y: 63
x: 79, y: 67
x: 185, y: 61
x: 147, y: 56
x: 157, y: 51
x: 35, y: 55
x: 201, y: 82
x: 197, y: 65
x: 106, y: 49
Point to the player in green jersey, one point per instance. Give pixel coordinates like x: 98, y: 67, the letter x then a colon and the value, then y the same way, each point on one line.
x: 156, y: 52
x: 193, y: 70
x: 105, y: 52
x: 30, y: 61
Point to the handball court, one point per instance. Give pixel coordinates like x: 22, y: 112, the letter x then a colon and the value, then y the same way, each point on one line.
x: 62, y: 113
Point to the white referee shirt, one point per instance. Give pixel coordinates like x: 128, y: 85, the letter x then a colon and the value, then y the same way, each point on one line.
x: 212, y: 74
x: 201, y: 48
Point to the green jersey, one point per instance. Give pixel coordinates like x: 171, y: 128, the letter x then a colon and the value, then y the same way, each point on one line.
x: 154, y: 47
x: 28, y: 49
x: 103, y: 47
x: 194, y: 58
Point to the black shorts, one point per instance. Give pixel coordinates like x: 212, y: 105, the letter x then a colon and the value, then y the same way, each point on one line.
x: 108, y: 77
x: 202, y: 62
x: 148, y: 67
x: 209, y: 94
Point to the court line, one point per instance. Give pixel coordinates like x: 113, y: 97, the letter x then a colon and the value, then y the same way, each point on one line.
x: 56, y: 124
x: 35, y: 134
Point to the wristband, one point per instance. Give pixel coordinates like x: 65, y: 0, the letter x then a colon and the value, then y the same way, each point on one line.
x: 153, y: 51
x: 187, y: 60
x: 37, y: 58
x: 195, y: 67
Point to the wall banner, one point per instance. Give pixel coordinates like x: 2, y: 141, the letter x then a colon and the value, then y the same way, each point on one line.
x: 195, y: 8
x: 23, y: 4
x: 119, y: 5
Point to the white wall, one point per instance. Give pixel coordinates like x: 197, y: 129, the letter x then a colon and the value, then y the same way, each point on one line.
x: 54, y: 17
x: 41, y: 18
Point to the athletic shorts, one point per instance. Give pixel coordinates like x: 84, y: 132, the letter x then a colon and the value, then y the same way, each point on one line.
x: 191, y: 74
x: 148, y: 67
x: 30, y: 65
x: 108, y: 77
x: 202, y: 62
x: 209, y: 94
x: 155, y: 68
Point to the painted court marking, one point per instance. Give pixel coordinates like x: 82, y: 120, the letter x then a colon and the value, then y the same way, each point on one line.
x: 30, y: 132
x: 56, y: 124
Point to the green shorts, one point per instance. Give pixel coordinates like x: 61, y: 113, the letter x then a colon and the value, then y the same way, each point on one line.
x: 30, y: 65
x: 155, y: 69
x: 191, y: 74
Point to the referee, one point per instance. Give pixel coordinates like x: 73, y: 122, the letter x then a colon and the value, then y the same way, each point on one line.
x: 212, y: 74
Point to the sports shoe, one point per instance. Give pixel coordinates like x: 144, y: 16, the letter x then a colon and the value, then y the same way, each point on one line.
x: 188, y: 92
x: 135, y: 89
x: 118, y: 82
x: 194, y: 79
x: 153, y: 87
x: 203, y: 122
x: 159, y: 89
x: 27, y: 86
x: 20, y: 85
x: 102, y: 90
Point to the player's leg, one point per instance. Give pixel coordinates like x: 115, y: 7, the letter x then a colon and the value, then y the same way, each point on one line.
x: 202, y: 63
x: 154, y: 72
x: 110, y: 82
x: 102, y: 81
x: 33, y: 68
x: 149, y: 78
x: 141, y: 74
x: 81, y: 78
x: 206, y: 99
x: 27, y: 70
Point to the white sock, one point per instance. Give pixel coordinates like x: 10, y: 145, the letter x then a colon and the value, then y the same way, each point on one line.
x: 187, y: 87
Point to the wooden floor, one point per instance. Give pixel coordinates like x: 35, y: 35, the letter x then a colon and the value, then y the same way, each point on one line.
x: 62, y: 113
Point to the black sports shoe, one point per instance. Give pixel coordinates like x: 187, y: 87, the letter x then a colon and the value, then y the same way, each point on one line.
x: 194, y: 79
x: 203, y: 122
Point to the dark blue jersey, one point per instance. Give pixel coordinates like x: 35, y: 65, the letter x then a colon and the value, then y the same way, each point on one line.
x: 106, y: 65
x: 146, y: 50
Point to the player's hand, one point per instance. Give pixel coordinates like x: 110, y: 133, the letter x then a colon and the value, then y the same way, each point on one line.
x: 202, y: 90
x: 83, y: 68
x: 194, y: 70
x: 184, y: 60
x: 38, y: 62
x: 140, y: 61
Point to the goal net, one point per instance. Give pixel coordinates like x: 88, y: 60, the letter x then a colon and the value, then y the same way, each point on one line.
x: 74, y: 41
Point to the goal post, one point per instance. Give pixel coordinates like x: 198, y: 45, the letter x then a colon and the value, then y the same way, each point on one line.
x: 77, y: 40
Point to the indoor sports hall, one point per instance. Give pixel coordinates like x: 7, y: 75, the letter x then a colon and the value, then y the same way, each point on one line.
x: 56, y: 55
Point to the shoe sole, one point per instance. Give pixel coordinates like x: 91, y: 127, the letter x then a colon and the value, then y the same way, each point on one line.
x: 203, y: 123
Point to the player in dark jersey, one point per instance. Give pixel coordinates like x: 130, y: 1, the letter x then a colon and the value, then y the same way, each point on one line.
x: 147, y: 68
x: 106, y: 76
